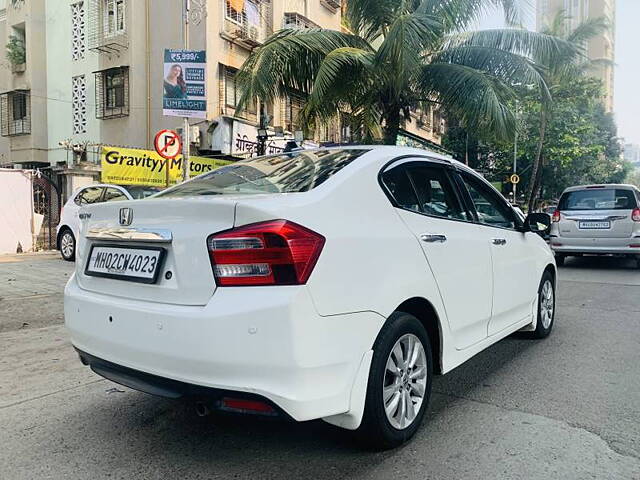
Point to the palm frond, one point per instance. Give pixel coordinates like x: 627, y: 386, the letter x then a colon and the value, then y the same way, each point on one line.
x: 510, y: 68
x: 479, y: 100
x: 341, y: 73
x: 543, y: 48
x: 288, y: 61
x: 401, y: 50
x: 588, y: 29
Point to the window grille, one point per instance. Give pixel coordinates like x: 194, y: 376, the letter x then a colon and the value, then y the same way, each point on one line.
x: 79, y: 104
x: 15, y: 113
x: 107, y: 26
x: 112, y: 93
x: 249, y: 26
x: 232, y: 95
x: 293, y: 107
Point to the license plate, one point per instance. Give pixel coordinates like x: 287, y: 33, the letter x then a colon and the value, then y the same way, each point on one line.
x: 594, y: 225
x: 135, y: 264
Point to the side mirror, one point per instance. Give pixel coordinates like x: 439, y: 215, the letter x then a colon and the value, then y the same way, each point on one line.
x: 537, y: 223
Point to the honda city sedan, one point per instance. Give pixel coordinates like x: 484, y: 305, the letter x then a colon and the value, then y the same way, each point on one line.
x: 317, y: 284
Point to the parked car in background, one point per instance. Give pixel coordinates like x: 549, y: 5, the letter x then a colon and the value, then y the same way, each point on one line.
x: 597, y: 220
x: 330, y: 283
x: 69, y: 226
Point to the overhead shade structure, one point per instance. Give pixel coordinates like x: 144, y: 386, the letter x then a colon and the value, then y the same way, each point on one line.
x: 237, y: 5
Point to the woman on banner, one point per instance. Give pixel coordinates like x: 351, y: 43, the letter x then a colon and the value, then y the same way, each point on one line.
x: 174, y: 84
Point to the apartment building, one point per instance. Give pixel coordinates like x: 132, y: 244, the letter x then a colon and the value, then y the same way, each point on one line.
x: 599, y: 47
x: 93, y: 73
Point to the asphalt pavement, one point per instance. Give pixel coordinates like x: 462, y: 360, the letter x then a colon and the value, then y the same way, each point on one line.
x: 567, y: 407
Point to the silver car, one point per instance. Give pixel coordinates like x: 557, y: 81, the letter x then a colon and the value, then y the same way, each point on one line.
x: 597, y: 220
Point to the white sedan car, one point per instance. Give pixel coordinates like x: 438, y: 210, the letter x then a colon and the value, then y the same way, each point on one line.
x: 330, y: 283
x: 69, y: 226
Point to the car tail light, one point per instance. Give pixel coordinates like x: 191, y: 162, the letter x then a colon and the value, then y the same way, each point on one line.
x: 556, y: 216
x: 277, y: 252
x: 635, y: 215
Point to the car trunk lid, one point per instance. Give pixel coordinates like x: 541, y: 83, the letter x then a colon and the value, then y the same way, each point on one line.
x: 177, y: 226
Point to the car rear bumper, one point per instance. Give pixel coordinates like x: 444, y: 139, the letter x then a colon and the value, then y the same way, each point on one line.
x: 597, y: 246
x: 270, y: 342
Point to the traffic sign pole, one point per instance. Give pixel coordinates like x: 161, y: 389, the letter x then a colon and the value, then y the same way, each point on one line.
x: 185, y: 127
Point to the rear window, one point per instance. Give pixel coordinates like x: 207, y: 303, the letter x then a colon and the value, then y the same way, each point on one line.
x: 598, y: 199
x: 292, y: 172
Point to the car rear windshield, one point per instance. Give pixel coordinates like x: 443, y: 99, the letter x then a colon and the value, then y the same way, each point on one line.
x: 298, y: 171
x: 598, y: 199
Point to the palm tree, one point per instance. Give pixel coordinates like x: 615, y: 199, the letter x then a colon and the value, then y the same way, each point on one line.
x: 561, y: 68
x: 401, y: 55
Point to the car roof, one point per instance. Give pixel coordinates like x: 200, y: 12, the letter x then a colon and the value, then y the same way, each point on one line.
x: 622, y: 186
x: 393, y: 150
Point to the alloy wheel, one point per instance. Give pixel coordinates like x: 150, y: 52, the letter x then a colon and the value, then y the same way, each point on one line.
x: 405, y: 381
x: 546, y: 304
x: 67, y: 245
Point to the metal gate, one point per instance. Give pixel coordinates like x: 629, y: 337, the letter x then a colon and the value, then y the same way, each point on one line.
x: 46, y: 202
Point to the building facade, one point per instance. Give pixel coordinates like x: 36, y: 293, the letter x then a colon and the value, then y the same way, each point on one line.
x: 92, y: 75
x: 600, y: 47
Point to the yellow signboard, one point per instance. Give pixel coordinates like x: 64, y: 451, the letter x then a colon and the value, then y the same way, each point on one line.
x: 132, y: 166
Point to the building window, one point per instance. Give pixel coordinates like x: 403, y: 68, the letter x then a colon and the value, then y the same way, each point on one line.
x: 78, y: 43
x: 15, y: 113
x: 233, y: 93
x: 293, y: 107
x: 245, y: 21
x: 112, y: 93
x: 114, y: 17
x: 79, y: 104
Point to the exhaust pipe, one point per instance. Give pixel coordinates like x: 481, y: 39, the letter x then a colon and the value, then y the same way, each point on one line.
x: 202, y: 410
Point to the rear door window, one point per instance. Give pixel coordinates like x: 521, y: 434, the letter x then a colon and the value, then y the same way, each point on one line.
x: 436, y: 194
x: 89, y: 195
x: 400, y: 188
x: 114, y: 195
x: 598, y: 199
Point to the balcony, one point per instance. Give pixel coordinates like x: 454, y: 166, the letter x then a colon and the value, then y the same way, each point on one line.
x: 296, y: 21
x: 333, y: 5
x: 248, y: 28
x: 106, y: 26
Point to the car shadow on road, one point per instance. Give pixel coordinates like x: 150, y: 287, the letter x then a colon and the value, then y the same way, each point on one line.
x: 599, y: 263
x: 170, y: 432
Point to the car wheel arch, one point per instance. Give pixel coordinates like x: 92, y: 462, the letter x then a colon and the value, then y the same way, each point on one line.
x: 552, y: 270
x: 425, y: 312
x: 61, y: 232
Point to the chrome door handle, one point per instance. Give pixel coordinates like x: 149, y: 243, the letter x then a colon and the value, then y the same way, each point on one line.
x: 431, y: 238
x: 499, y: 241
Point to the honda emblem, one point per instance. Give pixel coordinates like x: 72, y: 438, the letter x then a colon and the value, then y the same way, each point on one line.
x: 126, y: 216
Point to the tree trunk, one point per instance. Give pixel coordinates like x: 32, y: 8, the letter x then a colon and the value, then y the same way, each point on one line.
x: 536, y: 172
x: 391, y: 125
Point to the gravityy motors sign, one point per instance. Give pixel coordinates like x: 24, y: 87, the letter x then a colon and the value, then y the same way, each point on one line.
x: 184, y: 83
x: 131, y: 166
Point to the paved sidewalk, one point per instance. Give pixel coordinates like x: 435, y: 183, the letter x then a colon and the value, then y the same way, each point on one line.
x: 30, y: 290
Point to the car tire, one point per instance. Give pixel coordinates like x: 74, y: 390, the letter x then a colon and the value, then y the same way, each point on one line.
x: 380, y: 430
x: 68, y: 245
x: 546, y: 307
x: 560, y: 260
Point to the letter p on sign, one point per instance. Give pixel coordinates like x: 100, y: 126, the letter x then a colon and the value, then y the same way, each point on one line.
x: 168, y: 144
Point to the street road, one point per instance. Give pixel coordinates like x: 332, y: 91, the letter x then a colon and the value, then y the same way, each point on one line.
x: 567, y: 407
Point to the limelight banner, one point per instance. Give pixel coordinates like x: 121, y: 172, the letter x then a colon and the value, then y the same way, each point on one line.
x: 184, y: 83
